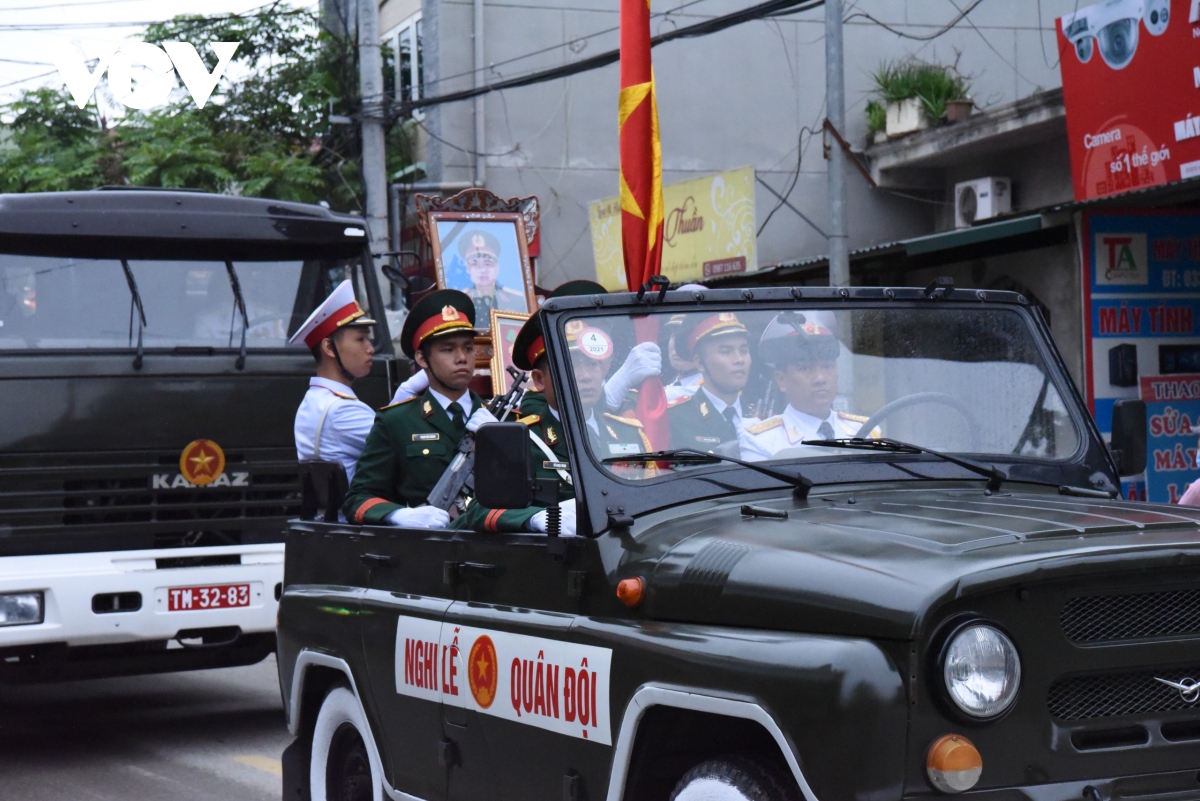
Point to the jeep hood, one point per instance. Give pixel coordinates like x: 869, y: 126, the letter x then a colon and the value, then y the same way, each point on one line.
x: 875, y: 562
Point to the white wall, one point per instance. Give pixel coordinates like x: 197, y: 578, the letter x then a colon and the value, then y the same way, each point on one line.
x: 726, y: 100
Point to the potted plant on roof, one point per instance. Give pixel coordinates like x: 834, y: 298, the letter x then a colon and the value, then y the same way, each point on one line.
x: 916, y: 94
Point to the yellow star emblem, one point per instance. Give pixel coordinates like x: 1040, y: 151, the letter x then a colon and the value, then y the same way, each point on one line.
x: 202, y: 460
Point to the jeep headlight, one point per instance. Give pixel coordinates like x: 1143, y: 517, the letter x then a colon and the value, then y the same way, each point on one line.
x: 20, y: 608
x: 982, y: 670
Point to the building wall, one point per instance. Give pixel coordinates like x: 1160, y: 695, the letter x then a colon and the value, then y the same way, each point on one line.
x: 735, y: 98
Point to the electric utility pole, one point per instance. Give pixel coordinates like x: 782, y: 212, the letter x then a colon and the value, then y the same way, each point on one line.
x: 835, y: 103
x: 374, y: 159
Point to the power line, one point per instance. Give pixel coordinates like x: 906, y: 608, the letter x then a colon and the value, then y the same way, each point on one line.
x: 713, y: 25
x: 559, y: 46
x: 30, y: 78
x: 961, y: 16
x: 69, y: 5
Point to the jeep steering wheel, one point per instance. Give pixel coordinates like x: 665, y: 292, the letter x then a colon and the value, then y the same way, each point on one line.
x: 917, y: 399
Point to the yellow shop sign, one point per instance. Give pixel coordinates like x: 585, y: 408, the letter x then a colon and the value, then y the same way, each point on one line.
x: 708, y: 230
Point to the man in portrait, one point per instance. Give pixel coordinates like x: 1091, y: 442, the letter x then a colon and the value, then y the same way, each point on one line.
x: 480, y: 252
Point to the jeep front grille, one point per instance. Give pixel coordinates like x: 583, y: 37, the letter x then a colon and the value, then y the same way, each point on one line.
x: 1116, y: 694
x: 1109, y: 618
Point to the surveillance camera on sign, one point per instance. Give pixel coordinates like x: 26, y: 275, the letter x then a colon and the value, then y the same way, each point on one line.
x: 1112, y: 27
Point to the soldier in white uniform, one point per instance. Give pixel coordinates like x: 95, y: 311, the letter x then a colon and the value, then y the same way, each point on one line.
x: 332, y: 423
x: 802, y: 349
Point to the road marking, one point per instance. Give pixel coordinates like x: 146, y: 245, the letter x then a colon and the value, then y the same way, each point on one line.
x: 263, y: 763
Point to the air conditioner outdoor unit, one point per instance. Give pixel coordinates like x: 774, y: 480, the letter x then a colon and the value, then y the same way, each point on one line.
x: 981, y: 199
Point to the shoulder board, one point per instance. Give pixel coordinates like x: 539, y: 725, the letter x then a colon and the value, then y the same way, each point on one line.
x: 681, y: 399
x: 765, y: 425
x: 530, y: 420
x: 343, y: 395
x: 401, y: 403
x: 629, y: 421
x: 858, y: 418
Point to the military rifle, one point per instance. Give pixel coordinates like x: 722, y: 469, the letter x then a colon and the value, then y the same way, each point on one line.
x: 456, y: 484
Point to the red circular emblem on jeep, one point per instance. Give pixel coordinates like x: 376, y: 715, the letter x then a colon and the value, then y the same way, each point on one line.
x: 481, y: 671
x: 202, y: 462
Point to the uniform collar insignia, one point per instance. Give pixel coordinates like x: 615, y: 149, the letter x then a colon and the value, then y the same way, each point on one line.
x: 427, y: 408
x: 550, y: 435
x: 612, y: 433
x: 703, y: 408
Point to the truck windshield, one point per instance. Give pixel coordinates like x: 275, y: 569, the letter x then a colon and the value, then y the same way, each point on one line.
x: 758, y: 384
x: 65, y: 302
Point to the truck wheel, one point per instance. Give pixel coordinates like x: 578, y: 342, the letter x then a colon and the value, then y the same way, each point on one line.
x: 341, y: 767
x: 731, y: 779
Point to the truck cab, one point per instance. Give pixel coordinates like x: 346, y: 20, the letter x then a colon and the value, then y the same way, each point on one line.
x: 944, y: 595
x: 147, y: 393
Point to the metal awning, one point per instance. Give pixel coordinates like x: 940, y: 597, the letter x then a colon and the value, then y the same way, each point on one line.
x: 919, y: 246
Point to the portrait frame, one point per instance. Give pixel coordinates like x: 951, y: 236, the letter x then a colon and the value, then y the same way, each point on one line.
x: 504, y: 323
x: 508, y: 230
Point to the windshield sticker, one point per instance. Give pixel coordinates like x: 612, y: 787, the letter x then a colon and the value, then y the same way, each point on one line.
x: 595, y: 343
x: 559, y: 686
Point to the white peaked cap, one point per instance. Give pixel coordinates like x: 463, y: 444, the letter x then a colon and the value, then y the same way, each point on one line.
x: 339, y: 309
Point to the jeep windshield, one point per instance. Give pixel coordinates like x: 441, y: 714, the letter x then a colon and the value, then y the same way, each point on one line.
x: 758, y: 383
x: 70, y: 302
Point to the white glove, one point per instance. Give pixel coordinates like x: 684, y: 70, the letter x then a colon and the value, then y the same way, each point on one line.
x: 419, y: 517
x: 417, y: 383
x: 643, y: 361
x: 479, y: 417
x: 566, y: 528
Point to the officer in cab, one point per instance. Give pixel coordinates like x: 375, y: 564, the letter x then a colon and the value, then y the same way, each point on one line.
x: 802, y: 350
x: 719, y: 344
x: 413, y: 441
x: 332, y: 424
x: 547, y: 444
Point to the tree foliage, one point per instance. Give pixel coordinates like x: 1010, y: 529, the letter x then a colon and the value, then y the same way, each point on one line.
x: 265, y: 132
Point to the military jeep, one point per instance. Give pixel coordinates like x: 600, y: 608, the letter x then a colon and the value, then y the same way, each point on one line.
x: 952, y: 599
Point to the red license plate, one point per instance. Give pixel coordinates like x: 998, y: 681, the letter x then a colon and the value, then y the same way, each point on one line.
x: 224, y: 596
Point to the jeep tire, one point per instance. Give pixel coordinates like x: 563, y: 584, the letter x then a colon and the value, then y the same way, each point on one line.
x: 341, y: 768
x: 732, y: 779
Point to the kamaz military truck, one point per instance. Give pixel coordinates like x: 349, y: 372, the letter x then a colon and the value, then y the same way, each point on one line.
x: 948, y: 599
x: 147, y: 396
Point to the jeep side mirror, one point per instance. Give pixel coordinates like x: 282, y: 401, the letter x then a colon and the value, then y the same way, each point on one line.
x: 1128, y: 442
x: 503, y: 469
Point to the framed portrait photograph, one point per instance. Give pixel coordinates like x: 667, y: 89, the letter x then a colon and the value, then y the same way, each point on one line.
x: 484, y: 255
x: 504, y: 327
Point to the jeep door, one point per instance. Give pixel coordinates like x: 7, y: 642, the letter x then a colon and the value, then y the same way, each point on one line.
x: 533, y: 708
x: 402, y: 613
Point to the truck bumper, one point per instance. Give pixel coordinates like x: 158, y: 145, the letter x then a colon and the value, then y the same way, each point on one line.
x: 71, y: 582
x: 1172, y: 786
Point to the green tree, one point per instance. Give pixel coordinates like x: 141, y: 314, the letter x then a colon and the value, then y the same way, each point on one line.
x: 264, y: 132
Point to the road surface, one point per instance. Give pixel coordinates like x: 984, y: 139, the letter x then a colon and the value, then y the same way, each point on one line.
x: 213, y: 735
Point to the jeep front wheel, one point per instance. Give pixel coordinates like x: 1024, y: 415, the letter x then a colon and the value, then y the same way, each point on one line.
x: 731, y: 779
x: 341, y: 767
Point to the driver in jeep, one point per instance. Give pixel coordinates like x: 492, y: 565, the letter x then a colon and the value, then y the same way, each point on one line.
x: 802, y: 350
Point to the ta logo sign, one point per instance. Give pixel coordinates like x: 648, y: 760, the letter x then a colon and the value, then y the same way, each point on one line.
x: 155, y: 81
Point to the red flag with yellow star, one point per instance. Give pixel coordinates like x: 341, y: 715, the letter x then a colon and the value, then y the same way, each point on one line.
x: 641, y: 192
x: 641, y: 152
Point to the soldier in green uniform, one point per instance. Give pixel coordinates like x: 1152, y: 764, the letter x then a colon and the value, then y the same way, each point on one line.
x: 547, y: 443
x: 412, y: 442
x: 720, y: 346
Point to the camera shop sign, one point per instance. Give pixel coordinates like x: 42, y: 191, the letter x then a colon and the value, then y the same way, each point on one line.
x: 1131, y: 86
x: 142, y: 75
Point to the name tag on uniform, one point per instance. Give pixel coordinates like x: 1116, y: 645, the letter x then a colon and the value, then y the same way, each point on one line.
x: 712, y: 440
x: 426, y: 437
x: 614, y: 447
x: 555, y: 465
